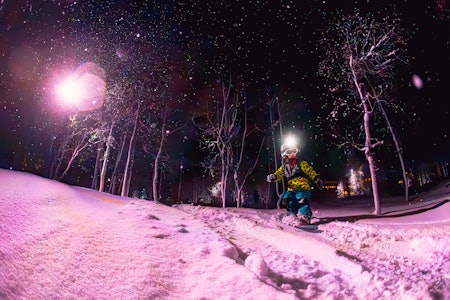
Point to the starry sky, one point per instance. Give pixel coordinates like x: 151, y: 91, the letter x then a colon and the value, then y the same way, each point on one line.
x: 267, y: 43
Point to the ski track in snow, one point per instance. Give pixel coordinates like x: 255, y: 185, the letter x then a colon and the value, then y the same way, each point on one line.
x: 342, y: 258
x: 318, y: 265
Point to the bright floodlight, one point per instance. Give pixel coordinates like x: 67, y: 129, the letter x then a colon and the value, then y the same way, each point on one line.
x: 84, y: 89
x: 70, y: 92
x: 290, y: 141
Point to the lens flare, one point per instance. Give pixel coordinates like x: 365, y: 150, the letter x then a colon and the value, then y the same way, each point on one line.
x: 84, y: 90
x: 69, y: 92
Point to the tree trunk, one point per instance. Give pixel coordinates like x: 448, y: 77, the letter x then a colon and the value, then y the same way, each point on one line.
x: 50, y: 160
x: 237, y: 185
x: 267, y: 199
x: 399, y: 151
x: 276, y: 152
x: 239, y: 198
x: 155, y: 181
x: 224, y: 180
x: 66, y: 170
x: 59, y: 159
x: 194, y: 195
x: 75, y: 153
x: 368, y: 141
x: 444, y: 168
x: 240, y: 185
x: 106, y: 159
x: 112, y: 188
x: 57, y: 167
x: 97, y: 163
x: 80, y: 145
x: 127, y: 184
x: 52, y: 169
x: 369, y: 157
x: 126, y: 172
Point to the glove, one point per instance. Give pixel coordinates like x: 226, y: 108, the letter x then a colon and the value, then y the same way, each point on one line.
x: 319, y: 184
x: 271, y: 178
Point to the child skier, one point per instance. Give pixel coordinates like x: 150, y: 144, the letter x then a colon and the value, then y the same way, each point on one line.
x: 298, y: 173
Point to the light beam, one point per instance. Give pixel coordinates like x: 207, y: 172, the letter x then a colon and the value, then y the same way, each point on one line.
x: 70, y: 92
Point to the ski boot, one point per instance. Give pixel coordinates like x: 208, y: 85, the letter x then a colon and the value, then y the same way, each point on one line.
x: 304, y: 220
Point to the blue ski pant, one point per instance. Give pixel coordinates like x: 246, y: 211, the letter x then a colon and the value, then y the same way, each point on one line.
x: 299, y: 202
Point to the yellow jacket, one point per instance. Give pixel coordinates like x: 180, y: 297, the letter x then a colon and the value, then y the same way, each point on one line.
x: 297, y: 174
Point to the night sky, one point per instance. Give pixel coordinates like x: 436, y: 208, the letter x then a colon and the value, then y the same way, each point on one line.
x: 267, y: 43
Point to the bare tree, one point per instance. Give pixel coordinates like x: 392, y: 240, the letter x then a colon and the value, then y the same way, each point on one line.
x: 114, y: 175
x: 360, y: 56
x: 241, y: 174
x: 220, y: 128
x: 109, y: 144
x: 225, y: 134
x: 116, y: 117
x: 399, y: 151
x: 159, y: 153
x: 161, y: 119
x: 127, y: 170
x: 81, y: 136
x: 94, y: 184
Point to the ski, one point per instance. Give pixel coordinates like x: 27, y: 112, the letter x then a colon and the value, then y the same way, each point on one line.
x: 308, y: 227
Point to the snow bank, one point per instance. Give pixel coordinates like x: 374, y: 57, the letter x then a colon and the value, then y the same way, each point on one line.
x: 62, y: 242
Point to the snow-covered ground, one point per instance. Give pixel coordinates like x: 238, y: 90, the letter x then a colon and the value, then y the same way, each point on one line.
x: 63, y: 242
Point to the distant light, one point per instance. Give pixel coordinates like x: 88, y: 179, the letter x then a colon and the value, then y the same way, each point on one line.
x: 417, y: 81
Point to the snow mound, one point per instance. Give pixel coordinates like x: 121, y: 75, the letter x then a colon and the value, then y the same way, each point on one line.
x: 438, y: 246
x: 257, y: 265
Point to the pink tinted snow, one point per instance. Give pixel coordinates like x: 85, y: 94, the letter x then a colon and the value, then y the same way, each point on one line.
x: 63, y: 242
x: 60, y: 242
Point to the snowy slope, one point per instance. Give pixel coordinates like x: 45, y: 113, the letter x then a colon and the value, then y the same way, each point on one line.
x: 63, y: 242
x: 344, y: 260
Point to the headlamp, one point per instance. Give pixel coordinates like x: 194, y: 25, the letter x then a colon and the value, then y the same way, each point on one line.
x: 290, y: 141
